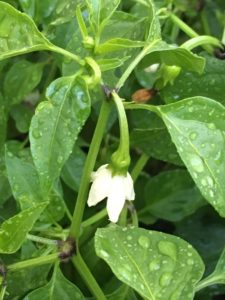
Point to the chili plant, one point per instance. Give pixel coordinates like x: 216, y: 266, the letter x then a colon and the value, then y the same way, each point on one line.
x: 112, y: 149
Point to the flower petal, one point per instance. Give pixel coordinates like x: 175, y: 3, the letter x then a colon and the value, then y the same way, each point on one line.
x: 129, y: 187
x: 99, y: 172
x: 100, y: 186
x: 116, y: 198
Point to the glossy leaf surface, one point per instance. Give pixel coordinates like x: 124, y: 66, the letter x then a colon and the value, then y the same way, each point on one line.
x: 56, y: 124
x: 18, y: 33
x: 14, y: 230
x: 156, y: 265
x: 57, y: 289
x: 197, y: 126
x: 172, y: 195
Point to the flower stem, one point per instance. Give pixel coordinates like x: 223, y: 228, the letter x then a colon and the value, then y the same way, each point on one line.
x: 97, y: 217
x: 88, y: 168
x: 139, y: 166
x: 2, y: 293
x: 33, y: 262
x: 67, y: 54
x: 85, y: 273
x: 41, y: 240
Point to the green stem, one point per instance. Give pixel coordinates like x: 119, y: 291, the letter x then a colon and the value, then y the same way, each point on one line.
x: 133, y: 64
x: 3, y: 291
x: 211, y: 280
x: 41, y: 240
x: 139, y: 166
x: 85, y: 273
x: 200, y: 41
x: 66, y: 53
x: 88, y: 168
x: 33, y: 262
x: 97, y: 217
x: 188, y: 30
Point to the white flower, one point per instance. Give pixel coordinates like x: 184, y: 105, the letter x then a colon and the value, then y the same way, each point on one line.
x: 117, y: 189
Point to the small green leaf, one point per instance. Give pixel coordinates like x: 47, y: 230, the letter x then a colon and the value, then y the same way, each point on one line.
x: 189, y: 84
x: 56, y: 125
x: 111, y: 63
x: 118, y: 44
x: 196, y: 126
x: 172, y: 195
x: 161, y: 52
x: 21, y: 79
x: 14, y: 230
x: 155, y: 264
x: 18, y: 33
x: 57, y: 289
x: 22, y: 116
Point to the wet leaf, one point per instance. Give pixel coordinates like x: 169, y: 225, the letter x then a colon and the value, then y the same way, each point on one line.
x: 57, y: 289
x: 18, y: 33
x: 56, y: 125
x: 14, y: 230
x: 156, y: 265
x: 196, y: 126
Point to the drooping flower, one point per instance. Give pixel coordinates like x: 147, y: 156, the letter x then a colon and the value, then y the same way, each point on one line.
x: 117, y: 188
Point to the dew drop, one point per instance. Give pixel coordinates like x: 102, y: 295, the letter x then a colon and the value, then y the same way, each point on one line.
x: 154, y: 265
x: 197, y: 163
x: 104, y: 253
x: 144, y: 242
x: 168, y: 248
x: 165, y: 279
x: 36, y: 134
x: 193, y: 136
x: 190, y: 262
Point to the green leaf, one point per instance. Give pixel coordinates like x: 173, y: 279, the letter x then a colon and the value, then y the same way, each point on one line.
x: 118, y: 44
x: 22, y: 116
x: 24, y: 181
x: 100, y: 11
x: 155, y: 264
x: 73, y: 168
x: 111, y: 63
x: 196, y: 126
x: 3, y: 121
x: 172, y: 196
x: 208, y: 84
x: 161, y: 52
x: 56, y: 125
x: 57, y: 289
x: 18, y: 33
x: 21, y: 79
x: 14, y: 230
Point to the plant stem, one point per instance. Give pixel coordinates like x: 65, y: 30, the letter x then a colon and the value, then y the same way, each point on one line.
x: 88, y: 168
x: 97, y: 217
x: 41, y: 240
x: 33, y: 262
x: 2, y: 293
x: 133, y: 64
x: 139, y: 166
x: 188, y: 30
x: 211, y: 280
x: 85, y: 273
x: 66, y: 53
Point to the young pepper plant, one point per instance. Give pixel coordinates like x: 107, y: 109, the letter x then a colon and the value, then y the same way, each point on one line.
x: 65, y: 69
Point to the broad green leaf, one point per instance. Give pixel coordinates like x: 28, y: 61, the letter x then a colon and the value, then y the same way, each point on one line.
x: 118, y: 44
x: 21, y: 79
x: 57, y: 289
x: 24, y: 181
x: 14, y: 230
x: 205, y: 230
x: 100, y: 11
x: 56, y: 125
x: 26, y: 188
x: 161, y: 52
x: 18, y: 33
x: 124, y: 292
x: 5, y: 189
x: 172, y: 196
x: 151, y: 136
x: 22, y: 116
x: 155, y: 264
x: 197, y: 126
x: 73, y: 168
x: 208, y: 84
x: 3, y: 121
